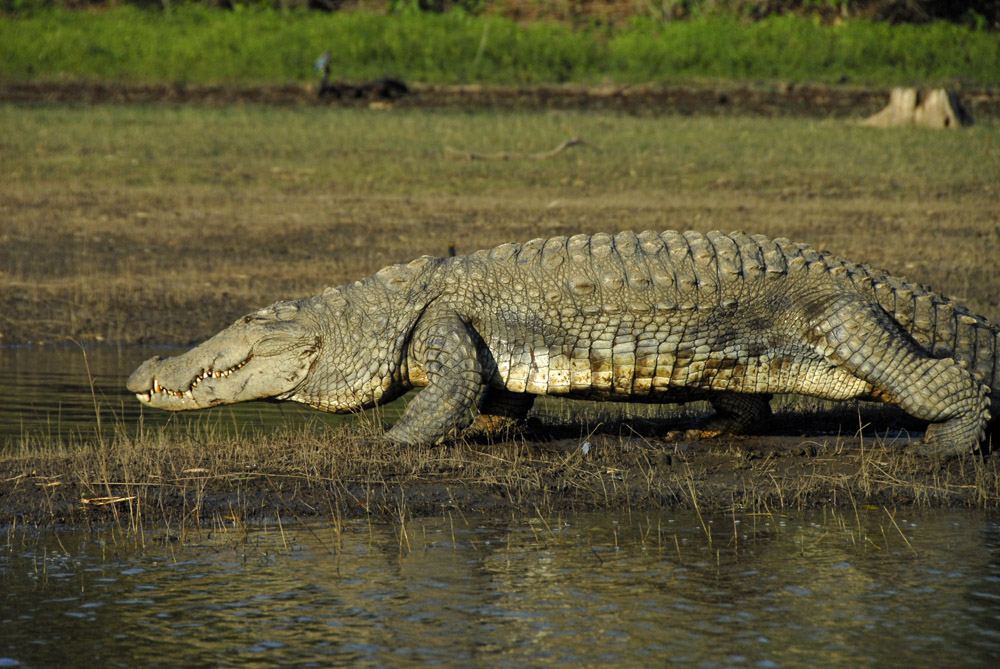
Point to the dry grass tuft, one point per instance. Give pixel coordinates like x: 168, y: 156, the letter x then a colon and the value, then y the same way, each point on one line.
x: 196, y: 476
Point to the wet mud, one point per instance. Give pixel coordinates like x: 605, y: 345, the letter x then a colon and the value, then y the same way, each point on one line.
x: 796, y: 462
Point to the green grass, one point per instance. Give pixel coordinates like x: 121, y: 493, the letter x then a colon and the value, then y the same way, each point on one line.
x: 403, y: 151
x: 195, y: 44
x: 355, y: 151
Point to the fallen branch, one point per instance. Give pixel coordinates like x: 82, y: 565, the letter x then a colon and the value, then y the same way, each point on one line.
x: 509, y: 155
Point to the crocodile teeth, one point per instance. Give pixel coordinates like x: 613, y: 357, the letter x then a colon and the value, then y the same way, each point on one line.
x: 189, y: 394
x: 213, y: 374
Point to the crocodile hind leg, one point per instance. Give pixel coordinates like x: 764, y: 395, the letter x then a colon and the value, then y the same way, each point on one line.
x: 500, y: 411
x: 939, y: 390
x: 735, y: 413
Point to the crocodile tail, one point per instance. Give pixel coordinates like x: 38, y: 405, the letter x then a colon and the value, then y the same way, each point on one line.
x: 938, y: 324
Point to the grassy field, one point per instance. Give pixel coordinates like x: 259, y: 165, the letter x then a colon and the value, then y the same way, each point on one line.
x: 199, y: 45
x: 161, y: 224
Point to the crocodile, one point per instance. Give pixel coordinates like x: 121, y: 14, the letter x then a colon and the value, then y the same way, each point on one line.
x: 649, y: 317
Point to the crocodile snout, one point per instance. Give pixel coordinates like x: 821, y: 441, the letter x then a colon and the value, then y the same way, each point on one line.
x: 141, y: 379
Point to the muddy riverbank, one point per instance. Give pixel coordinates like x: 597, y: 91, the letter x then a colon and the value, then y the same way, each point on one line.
x: 170, y: 477
x: 77, y: 448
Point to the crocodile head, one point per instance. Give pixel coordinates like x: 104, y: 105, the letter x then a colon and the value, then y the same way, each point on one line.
x: 264, y: 355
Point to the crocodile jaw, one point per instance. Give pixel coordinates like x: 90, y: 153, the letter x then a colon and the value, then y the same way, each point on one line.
x: 249, y: 379
x: 260, y: 357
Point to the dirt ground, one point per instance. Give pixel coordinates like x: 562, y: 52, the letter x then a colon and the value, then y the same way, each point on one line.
x: 772, y: 100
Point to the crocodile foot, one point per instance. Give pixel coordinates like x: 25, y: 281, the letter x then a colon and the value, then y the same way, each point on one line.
x: 487, y: 427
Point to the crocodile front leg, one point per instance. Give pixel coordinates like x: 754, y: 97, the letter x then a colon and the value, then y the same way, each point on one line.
x: 443, y: 355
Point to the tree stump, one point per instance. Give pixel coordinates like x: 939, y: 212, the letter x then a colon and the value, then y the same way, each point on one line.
x: 937, y: 108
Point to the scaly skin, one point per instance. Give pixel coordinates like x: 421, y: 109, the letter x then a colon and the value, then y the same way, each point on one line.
x: 653, y: 317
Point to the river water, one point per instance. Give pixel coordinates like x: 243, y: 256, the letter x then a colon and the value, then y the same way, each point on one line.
x: 766, y: 591
x: 868, y: 587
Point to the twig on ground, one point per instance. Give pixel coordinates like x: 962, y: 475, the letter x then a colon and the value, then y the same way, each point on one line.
x: 513, y: 155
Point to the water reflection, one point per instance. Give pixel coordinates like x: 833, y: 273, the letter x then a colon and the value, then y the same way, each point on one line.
x: 62, y: 394
x: 578, y: 589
